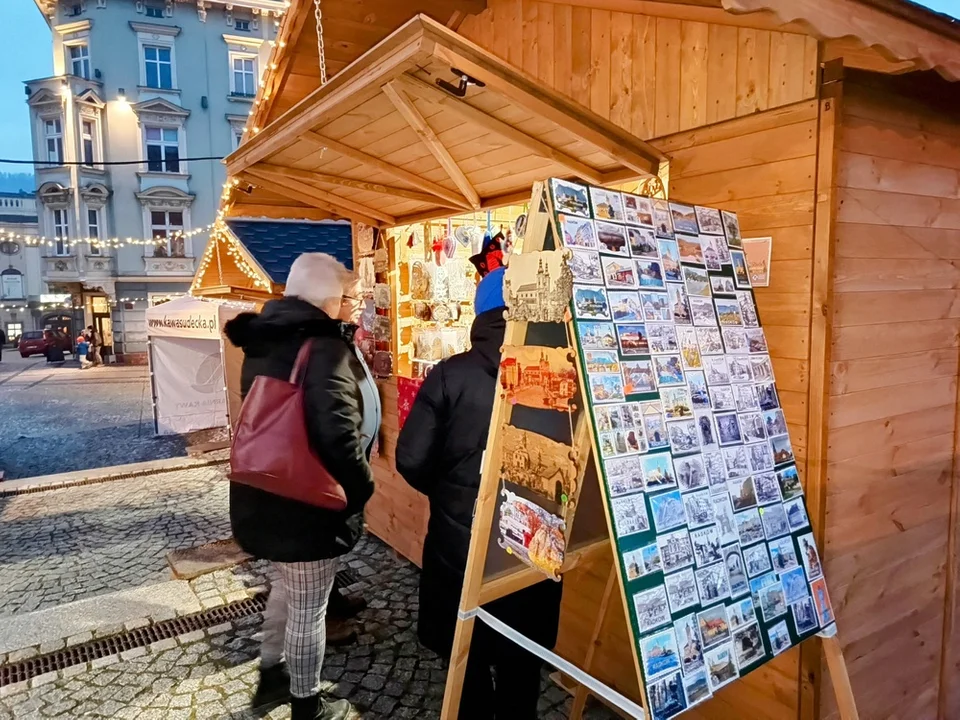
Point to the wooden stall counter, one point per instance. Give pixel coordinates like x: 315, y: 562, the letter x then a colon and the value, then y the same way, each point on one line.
x: 397, y: 514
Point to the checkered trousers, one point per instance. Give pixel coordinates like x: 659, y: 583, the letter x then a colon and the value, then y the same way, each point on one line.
x: 294, y: 621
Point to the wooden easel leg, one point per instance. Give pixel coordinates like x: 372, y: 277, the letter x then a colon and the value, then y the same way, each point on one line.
x: 840, y: 678
x: 458, y: 669
x: 580, y: 697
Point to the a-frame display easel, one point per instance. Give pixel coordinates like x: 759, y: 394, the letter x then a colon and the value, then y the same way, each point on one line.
x: 492, y: 573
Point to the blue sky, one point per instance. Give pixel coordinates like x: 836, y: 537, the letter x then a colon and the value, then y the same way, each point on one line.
x: 25, y: 54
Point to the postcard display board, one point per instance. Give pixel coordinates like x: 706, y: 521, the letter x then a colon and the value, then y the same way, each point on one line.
x: 717, y: 559
x: 715, y: 555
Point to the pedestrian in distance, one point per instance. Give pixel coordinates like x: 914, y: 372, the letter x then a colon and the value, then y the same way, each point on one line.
x: 439, y: 452
x: 3, y: 341
x: 83, y: 349
x: 304, y: 542
x: 96, y: 343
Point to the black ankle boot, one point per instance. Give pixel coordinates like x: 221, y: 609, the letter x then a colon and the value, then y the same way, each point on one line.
x: 274, y: 686
x: 316, y: 707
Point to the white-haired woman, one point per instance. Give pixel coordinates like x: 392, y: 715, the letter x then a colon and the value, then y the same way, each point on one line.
x: 304, y: 542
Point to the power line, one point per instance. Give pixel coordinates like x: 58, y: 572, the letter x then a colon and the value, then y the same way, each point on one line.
x: 106, y: 162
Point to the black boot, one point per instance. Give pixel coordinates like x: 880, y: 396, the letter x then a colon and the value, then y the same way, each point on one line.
x: 316, y: 707
x: 274, y: 686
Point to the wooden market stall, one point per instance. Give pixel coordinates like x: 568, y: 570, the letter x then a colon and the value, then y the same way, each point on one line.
x: 828, y: 125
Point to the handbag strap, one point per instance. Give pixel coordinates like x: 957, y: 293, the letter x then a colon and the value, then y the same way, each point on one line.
x: 300, y: 365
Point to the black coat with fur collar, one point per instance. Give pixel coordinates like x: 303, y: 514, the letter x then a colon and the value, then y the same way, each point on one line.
x: 275, y: 528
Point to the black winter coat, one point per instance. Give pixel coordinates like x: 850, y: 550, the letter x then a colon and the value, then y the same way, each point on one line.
x: 275, y: 528
x: 438, y: 453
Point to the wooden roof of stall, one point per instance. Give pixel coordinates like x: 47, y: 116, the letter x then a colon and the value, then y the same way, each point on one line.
x: 429, y: 159
x: 384, y: 143
x: 865, y: 32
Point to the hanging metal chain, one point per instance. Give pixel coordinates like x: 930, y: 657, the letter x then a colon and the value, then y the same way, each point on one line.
x: 320, y: 52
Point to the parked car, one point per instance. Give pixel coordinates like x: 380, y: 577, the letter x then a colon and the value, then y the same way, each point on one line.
x: 36, y: 342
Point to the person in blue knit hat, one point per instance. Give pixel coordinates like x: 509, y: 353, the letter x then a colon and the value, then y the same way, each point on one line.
x: 438, y: 453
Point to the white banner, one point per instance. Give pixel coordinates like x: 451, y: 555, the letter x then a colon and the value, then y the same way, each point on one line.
x: 188, y: 383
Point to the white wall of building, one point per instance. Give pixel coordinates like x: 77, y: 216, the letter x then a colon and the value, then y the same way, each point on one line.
x: 112, y: 59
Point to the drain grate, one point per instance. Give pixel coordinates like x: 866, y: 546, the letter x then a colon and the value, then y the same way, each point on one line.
x: 346, y: 578
x: 128, y: 640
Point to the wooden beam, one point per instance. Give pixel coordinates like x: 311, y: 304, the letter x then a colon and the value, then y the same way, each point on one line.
x: 428, y: 137
x: 435, y: 95
x: 348, y: 89
x: 821, y: 332
x: 449, y: 196
x: 518, y: 197
x: 319, y: 177
x: 352, y: 206
x: 948, y: 649
x: 525, y: 576
x: 277, y: 212
x: 525, y: 92
x: 305, y: 195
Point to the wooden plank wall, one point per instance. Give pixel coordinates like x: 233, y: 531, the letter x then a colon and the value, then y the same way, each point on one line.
x: 652, y: 76
x: 397, y: 514
x: 893, y: 402
x: 764, y: 168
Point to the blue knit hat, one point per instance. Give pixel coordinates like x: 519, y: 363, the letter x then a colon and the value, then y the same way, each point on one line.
x: 490, y: 292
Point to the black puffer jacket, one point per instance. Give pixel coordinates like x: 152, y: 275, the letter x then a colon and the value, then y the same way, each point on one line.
x: 439, y: 452
x: 275, y: 528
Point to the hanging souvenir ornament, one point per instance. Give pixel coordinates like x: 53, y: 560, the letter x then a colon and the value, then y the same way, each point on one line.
x: 437, y: 247
x: 381, y: 260
x: 381, y: 296
x: 368, y: 316
x: 365, y: 238
x: 462, y: 236
x: 532, y: 534
x: 449, y: 246
x: 383, y: 364
x: 520, y: 226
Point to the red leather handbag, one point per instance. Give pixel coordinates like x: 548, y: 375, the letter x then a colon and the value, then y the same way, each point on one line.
x: 271, y: 449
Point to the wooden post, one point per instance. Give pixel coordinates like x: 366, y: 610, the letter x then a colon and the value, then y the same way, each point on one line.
x: 580, y: 697
x: 839, y: 678
x: 821, y: 331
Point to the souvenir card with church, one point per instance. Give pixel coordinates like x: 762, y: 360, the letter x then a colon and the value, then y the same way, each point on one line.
x: 701, y: 467
x: 538, y: 463
x: 537, y: 286
x: 538, y: 377
x: 531, y: 533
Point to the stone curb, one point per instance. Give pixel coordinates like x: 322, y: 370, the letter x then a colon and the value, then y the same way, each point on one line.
x: 93, y: 476
x: 151, y: 648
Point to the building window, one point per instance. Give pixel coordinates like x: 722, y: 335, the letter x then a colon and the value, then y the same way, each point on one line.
x: 163, y: 149
x: 243, y: 25
x: 237, y: 137
x: 76, y: 10
x: 243, y: 75
x: 87, y: 133
x: 93, y: 231
x: 80, y: 60
x: 61, y: 231
x: 167, y: 226
x: 53, y: 137
x: 11, y: 284
x: 158, y: 66
x: 153, y: 11
x: 14, y: 331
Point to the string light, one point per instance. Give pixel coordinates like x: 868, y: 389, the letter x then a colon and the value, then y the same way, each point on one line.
x: 221, y: 234
x: 104, y: 243
x: 42, y: 307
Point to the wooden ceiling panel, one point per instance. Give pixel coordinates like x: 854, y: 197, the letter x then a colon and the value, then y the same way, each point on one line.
x: 400, y: 146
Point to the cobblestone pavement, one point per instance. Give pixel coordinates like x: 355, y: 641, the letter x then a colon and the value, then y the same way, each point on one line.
x: 73, y: 543
x: 57, y: 419
x: 386, y: 674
